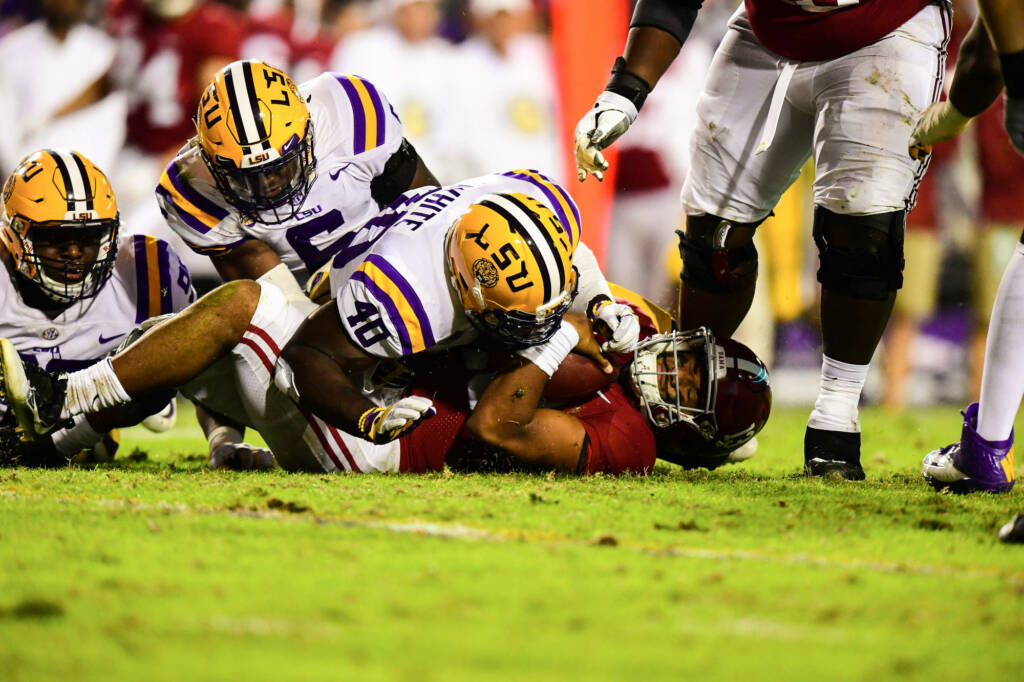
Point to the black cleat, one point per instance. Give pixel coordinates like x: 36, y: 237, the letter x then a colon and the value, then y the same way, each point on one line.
x: 34, y: 395
x: 1013, y: 531
x: 832, y: 454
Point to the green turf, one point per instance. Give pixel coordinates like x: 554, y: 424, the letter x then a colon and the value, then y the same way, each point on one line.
x: 153, y: 568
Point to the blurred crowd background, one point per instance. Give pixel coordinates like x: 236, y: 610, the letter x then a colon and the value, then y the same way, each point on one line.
x: 475, y: 86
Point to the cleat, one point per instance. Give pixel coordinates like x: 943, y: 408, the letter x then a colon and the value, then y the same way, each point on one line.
x: 973, y: 463
x: 34, y: 395
x: 163, y: 420
x: 833, y: 454
x: 1013, y: 530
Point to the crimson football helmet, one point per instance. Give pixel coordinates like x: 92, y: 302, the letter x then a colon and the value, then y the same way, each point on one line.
x: 703, y: 399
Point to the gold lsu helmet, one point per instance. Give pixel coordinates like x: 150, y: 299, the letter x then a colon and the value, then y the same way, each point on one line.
x: 256, y: 138
x: 60, y: 224
x: 510, y: 260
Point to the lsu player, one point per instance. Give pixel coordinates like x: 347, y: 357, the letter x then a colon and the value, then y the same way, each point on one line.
x: 489, y: 262
x: 75, y: 285
x: 278, y: 174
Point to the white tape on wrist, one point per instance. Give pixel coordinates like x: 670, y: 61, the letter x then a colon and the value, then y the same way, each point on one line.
x: 550, y: 354
x: 222, y: 434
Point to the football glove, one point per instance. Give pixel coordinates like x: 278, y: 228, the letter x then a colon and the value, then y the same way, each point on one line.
x: 1013, y: 118
x: 941, y: 121
x: 241, y: 457
x: 385, y: 424
x: 617, y: 322
x: 609, y: 118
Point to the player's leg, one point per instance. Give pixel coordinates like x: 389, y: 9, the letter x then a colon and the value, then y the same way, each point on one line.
x: 864, y: 178
x: 983, y: 457
x: 748, y: 146
x: 164, y: 358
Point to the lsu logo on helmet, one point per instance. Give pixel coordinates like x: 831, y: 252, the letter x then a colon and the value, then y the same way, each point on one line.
x: 60, y: 223
x: 510, y: 260
x: 256, y: 137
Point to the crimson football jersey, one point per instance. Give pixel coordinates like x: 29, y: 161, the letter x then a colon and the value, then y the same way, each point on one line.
x: 158, y: 64
x: 812, y: 30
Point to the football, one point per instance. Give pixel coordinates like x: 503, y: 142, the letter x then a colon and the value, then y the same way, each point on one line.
x: 577, y: 379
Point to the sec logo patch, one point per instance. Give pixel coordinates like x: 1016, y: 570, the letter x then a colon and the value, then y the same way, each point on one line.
x: 485, y: 272
x: 50, y: 333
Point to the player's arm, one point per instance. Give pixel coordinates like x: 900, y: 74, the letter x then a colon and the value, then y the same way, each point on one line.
x: 315, y: 369
x: 1005, y: 21
x: 657, y: 31
x: 404, y: 170
x: 226, y: 441
x: 507, y: 415
x: 253, y: 259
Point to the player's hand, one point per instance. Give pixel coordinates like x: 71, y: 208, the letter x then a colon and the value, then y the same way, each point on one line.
x: 609, y: 118
x: 587, y: 344
x: 941, y: 121
x: 241, y: 457
x: 617, y: 322
x: 1013, y: 118
x: 385, y: 424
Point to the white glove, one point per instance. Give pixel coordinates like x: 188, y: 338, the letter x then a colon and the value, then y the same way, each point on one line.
x: 623, y: 327
x: 609, y: 118
x: 241, y: 457
x: 941, y: 121
x: 385, y: 424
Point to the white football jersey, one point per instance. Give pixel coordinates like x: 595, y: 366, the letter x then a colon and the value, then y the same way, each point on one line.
x: 395, y: 300
x: 148, y: 280
x: 355, y: 132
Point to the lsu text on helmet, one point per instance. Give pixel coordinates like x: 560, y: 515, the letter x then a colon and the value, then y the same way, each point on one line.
x: 60, y: 224
x: 729, y: 405
x: 256, y: 137
x: 510, y: 261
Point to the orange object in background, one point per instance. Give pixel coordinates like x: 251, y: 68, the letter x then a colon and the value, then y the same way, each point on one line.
x: 587, y: 37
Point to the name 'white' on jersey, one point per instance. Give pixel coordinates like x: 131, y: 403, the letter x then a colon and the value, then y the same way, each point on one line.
x: 355, y: 132
x: 393, y: 293
x: 148, y: 280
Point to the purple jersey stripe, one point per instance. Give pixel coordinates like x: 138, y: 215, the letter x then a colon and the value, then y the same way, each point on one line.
x: 378, y: 109
x: 410, y: 296
x: 200, y: 202
x: 358, y: 115
x: 164, y: 268
x: 141, y: 279
x: 185, y: 216
x: 389, y: 306
x: 554, y: 205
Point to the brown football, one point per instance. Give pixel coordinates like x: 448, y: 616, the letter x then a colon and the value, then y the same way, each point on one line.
x: 577, y: 379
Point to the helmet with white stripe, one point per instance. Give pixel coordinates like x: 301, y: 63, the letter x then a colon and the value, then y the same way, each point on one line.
x: 510, y: 261
x: 704, y: 399
x: 256, y: 137
x: 60, y: 223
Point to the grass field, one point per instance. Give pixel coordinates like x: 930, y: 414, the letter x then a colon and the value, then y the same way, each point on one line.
x: 153, y: 568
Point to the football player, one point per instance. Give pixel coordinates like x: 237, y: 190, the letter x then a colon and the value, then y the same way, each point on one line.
x: 983, y: 457
x: 278, y: 175
x: 789, y: 79
x: 488, y: 262
x: 75, y: 285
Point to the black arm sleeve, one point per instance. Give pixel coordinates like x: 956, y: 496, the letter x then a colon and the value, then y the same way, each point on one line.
x: 397, y: 175
x: 672, y: 16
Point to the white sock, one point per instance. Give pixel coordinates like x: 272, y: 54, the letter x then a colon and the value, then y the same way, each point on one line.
x: 1002, y: 379
x: 92, y: 389
x: 836, y: 406
x: 74, y: 439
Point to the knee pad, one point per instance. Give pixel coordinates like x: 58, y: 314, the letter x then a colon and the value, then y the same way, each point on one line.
x: 860, y: 256
x: 709, y: 265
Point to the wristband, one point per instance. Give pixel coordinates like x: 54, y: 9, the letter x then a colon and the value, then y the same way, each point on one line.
x: 550, y: 354
x: 222, y: 434
x: 596, y: 303
x: 627, y: 84
x: 1013, y: 73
